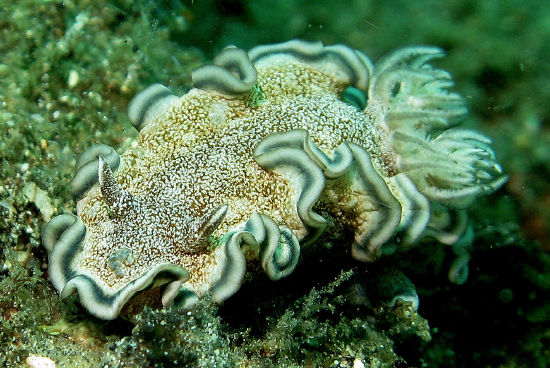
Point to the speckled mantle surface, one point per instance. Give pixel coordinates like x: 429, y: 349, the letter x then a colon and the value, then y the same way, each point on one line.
x: 44, y: 152
x: 270, y: 149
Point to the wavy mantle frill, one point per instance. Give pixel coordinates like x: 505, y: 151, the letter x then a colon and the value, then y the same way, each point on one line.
x: 271, y: 148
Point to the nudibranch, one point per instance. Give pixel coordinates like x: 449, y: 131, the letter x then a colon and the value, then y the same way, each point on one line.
x: 273, y: 153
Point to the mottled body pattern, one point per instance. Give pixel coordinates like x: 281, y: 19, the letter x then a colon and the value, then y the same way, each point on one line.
x: 241, y: 168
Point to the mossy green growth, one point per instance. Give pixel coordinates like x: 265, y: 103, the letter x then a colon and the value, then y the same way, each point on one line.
x: 27, y: 305
x: 317, y: 330
x: 256, y: 96
x: 214, y: 242
x: 174, y: 338
x: 320, y: 330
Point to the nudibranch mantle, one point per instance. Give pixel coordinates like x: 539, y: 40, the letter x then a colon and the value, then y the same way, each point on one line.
x: 269, y: 150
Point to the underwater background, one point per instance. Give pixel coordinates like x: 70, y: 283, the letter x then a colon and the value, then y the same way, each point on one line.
x: 68, y: 70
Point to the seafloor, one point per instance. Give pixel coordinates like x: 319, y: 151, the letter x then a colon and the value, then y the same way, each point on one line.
x: 67, y: 72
